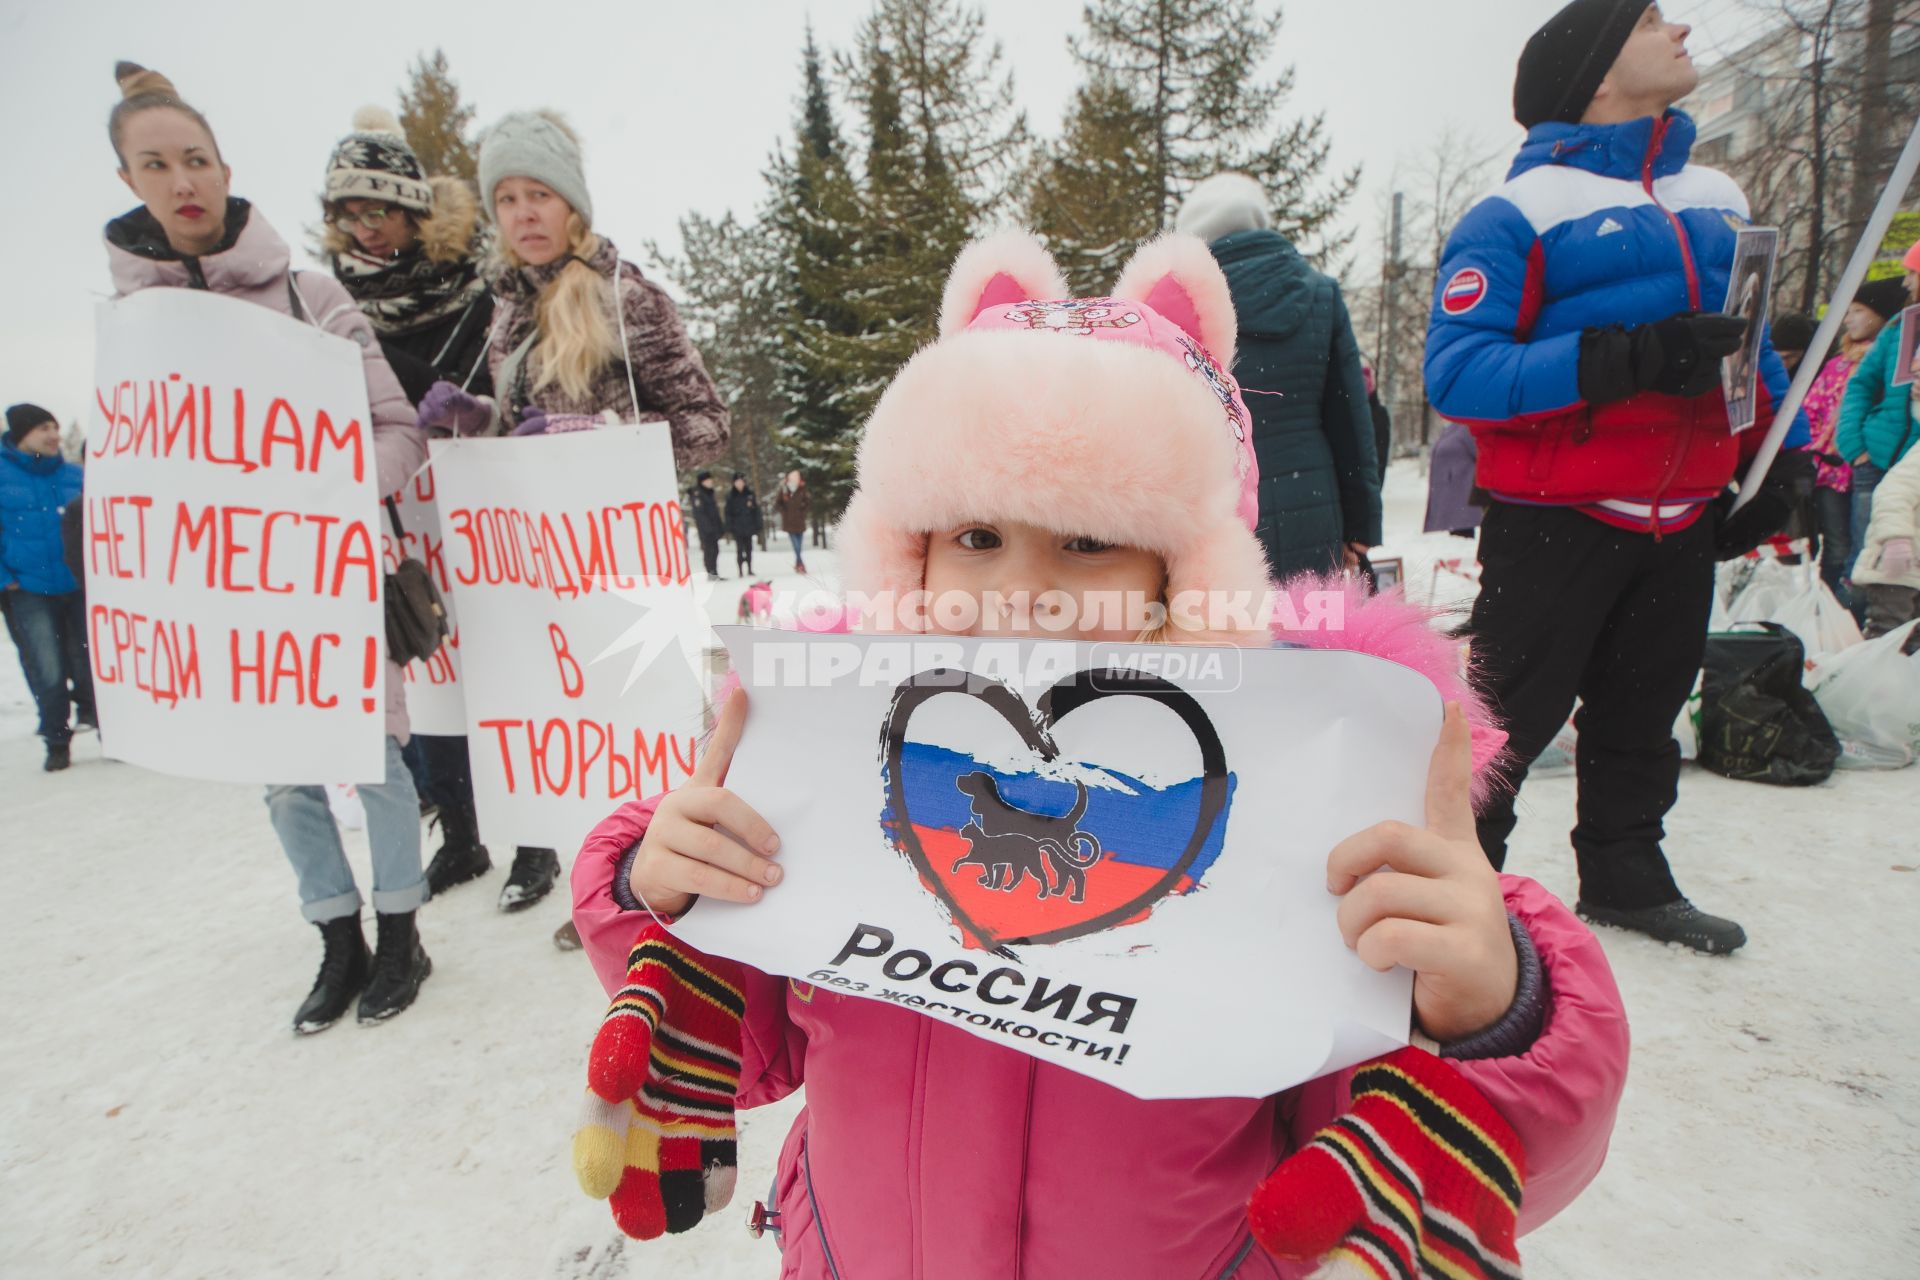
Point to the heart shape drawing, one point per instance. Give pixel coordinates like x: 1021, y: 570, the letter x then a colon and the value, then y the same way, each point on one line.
x: 1017, y: 856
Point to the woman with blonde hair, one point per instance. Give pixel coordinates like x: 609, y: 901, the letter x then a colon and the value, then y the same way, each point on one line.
x: 188, y: 232
x: 580, y: 339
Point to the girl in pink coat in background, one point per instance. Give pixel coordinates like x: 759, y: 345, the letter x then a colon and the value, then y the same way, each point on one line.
x: 1084, y: 446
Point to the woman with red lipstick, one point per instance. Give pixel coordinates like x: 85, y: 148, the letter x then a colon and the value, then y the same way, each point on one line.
x: 190, y: 233
x: 580, y: 339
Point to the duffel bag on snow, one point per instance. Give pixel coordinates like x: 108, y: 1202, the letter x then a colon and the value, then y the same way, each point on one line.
x: 1758, y: 723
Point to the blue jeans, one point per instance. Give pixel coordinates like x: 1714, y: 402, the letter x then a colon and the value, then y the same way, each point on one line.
x: 1866, y: 478
x: 312, y: 844
x: 796, y: 539
x: 1835, y: 511
x: 51, y: 632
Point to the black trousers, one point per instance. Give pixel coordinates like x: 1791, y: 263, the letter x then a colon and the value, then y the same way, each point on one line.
x: 710, y: 554
x: 449, y: 773
x: 1570, y: 607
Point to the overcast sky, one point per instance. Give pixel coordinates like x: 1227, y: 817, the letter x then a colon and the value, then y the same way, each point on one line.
x: 679, y: 105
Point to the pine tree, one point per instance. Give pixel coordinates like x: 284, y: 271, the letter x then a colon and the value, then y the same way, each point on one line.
x: 1085, y: 195
x: 1193, y: 106
x: 729, y: 276
x: 436, y: 121
x: 811, y: 213
x: 944, y: 143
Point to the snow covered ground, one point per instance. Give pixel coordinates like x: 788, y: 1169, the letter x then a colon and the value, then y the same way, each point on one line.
x: 158, y: 1119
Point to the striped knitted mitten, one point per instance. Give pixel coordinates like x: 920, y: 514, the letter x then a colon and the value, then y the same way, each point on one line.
x: 1420, y: 1179
x: 657, y: 1133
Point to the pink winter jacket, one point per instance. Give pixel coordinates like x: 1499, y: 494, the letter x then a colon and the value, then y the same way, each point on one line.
x: 927, y: 1153
x: 254, y: 267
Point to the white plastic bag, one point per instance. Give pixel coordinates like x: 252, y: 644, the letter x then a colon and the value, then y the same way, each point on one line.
x: 1795, y: 597
x: 1871, y: 696
x: 1822, y: 622
x: 1765, y: 591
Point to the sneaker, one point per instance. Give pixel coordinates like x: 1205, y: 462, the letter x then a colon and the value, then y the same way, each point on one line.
x: 400, y: 965
x: 566, y: 937
x: 344, y: 966
x: 533, y: 876
x: 1677, y: 921
x: 58, y: 757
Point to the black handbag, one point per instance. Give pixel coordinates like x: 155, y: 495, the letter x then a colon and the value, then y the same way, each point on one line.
x: 1758, y: 723
x: 416, y: 614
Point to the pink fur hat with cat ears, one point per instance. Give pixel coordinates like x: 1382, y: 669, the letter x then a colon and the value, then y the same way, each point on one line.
x: 1112, y: 418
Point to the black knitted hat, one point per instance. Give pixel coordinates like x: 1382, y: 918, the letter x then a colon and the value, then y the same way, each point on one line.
x: 1563, y: 64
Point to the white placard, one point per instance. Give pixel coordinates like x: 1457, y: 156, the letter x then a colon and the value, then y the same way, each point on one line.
x: 1139, y: 896
x: 233, y: 567
x: 579, y: 634
x: 435, y: 704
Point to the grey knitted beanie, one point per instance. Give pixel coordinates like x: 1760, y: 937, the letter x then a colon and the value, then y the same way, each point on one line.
x: 539, y: 146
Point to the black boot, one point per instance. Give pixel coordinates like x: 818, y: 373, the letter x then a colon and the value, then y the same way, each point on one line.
x: 462, y: 857
x: 58, y: 757
x: 1677, y: 921
x: 400, y: 965
x: 532, y: 878
x: 344, y: 966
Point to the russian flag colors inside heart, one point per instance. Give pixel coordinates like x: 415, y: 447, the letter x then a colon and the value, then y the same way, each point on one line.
x: 1021, y: 845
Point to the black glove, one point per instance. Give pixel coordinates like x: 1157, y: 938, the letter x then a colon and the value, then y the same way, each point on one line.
x: 1679, y: 356
x: 1788, y: 487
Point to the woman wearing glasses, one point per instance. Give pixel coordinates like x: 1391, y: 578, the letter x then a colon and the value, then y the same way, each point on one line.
x: 409, y: 248
x: 188, y: 232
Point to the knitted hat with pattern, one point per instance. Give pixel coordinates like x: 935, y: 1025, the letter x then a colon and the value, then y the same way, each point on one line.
x: 374, y: 162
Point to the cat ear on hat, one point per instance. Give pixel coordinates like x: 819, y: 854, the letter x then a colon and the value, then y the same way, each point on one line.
x: 1178, y: 277
x: 1011, y: 266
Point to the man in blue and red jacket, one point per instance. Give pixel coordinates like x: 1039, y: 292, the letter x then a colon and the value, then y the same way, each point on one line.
x: 1575, y: 332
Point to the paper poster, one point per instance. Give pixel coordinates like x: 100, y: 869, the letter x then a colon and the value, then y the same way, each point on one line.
x: 233, y: 567
x: 580, y: 639
x: 435, y: 704
x: 1110, y: 857
x: 1749, y: 295
x: 1903, y: 370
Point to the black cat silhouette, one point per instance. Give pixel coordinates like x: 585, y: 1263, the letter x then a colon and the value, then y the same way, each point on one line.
x: 1008, y: 843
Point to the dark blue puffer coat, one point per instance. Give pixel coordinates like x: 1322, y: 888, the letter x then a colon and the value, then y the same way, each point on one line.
x: 1319, y: 481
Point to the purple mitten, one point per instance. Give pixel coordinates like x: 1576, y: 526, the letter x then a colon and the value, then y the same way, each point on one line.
x: 448, y: 409
x: 533, y: 422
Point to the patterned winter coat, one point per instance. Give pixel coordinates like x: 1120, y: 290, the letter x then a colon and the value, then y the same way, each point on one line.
x: 668, y: 374
x: 34, y: 491
x: 1823, y: 418
x: 1312, y: 427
